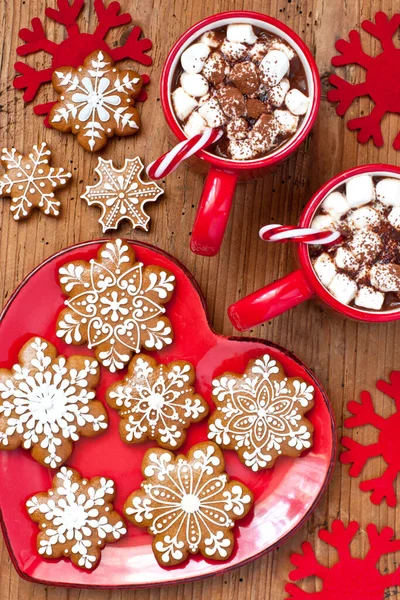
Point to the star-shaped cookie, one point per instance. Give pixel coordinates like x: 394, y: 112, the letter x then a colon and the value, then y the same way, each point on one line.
x: 122, y: 194
x: 31, y: 182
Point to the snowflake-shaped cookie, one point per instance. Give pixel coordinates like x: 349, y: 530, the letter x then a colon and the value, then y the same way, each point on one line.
x: 31, y: 182
x: 47, y: 403
x: 96, y: 101
x: 188, y: 504
x: 157, y: 402
x: 260, y: 413
x: 115, y: 305
x: 122, y: 194
x: 76, y: 518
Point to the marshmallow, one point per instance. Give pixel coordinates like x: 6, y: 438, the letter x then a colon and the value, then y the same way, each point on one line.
x: 290, y: 53
x: 388, y: 191
x: 288, y: 123
x: 215, y: 68
x: 360, y: 190
x: 343, y: 288
x: 336, y: 205
x: 212, y: 113
x: 241, y: 32
x: 183, y: 103
x: 394, y: 217
x: 324, y: 223
x: 345, y: 260
x: 369, y: 298
x: 259, y: 50
x: 362, y: 276
x: 297, y: 102
x: 233, y: 50
x: 386, y: 277
x: 276, y: 95
x: 325, y: 268
x: 211, y: 39
x: 237, y: 129
x: 194, y: 125
x: 240, y: 150
x: 194, y: 57
x: 364, y: 217
x: 264, y: 135
x: 366, y: 245
x: 194, y: 84
x: 274, y: 67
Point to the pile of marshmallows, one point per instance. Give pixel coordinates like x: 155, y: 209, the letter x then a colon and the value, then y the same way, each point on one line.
x: 222, y: 81
x: 369, y: 216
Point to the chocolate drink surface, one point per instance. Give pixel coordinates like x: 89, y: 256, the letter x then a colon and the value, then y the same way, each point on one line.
x: 363, y: 268
x: 245, y: 80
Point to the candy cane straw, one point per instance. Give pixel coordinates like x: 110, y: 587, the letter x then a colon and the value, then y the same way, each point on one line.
x: 306, y: 235
x: 167, y: 163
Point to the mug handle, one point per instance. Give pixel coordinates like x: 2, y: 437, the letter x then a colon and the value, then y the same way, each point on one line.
x: 270, y: 301
x: 213, y: 212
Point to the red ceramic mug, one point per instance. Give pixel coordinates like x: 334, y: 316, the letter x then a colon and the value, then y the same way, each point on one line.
x: 303, y: 284
x: 215, y: 204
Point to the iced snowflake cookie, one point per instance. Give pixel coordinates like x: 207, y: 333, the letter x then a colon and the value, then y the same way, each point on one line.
x: 76, y: 518
x: 96, y: 101
x: 47, y: 402
x: 115, y: 305
x: 31, y: 182
x: 122, y: 194
x: 260, y: 414
x: 156, y: 402
x: 188, y: 504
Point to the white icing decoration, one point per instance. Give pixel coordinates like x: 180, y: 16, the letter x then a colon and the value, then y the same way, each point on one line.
x: 116, y: 307
x: 48, y: 403
x: 157, y: 403
x: 29, y: 179
x: 259, y: 413
x: 95, y: 102
x: 75, y: 517
x: 190, y: 503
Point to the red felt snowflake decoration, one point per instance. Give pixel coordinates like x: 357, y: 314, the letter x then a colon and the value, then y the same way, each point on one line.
x: 382, y: 82
x: 387, y: 446
x: 72, y: 51
x: 349, y: 578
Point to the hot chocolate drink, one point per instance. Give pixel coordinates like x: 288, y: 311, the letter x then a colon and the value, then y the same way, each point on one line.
x: 246, y: 81
x: 363, y: 268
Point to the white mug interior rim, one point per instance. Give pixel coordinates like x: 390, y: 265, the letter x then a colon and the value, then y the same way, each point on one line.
x: 333, y: 189
x: 271, y: 29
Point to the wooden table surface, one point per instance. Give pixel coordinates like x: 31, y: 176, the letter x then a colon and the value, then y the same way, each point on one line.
x: 346, y: 356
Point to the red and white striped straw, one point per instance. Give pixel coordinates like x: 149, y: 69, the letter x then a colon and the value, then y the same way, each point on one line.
x: 305, y: 235
x: 167, y: 163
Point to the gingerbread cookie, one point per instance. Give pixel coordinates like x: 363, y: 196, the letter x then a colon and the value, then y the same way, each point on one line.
x: 156, y: 402
x: 47, y: 402
x: 115, y: 305
x: 96, y: 101
x: 122, y: 194
x: 31, y: 182
x: 260, y: 414
x: 76, y: 518
x: 188, y: 504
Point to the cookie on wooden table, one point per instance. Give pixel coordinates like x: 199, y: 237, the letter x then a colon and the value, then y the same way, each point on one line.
x: 188, y: 504
x: 76, y: 518
x: 47, y: 402
x: 157, y: 402
x: 260, y: 413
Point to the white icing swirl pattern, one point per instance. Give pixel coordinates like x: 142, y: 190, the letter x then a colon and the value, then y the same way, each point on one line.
x: 188, y: 504
x: 260, y: 413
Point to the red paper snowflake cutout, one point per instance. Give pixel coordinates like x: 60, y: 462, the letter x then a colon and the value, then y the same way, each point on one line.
x: 387, y: 446
x: 350, y: 578
x: 382, y: 82
x: 72, y: 51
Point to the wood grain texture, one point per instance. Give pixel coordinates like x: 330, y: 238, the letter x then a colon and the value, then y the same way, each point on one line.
x: 346, y: 356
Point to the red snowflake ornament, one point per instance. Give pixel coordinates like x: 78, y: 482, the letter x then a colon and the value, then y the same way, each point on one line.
x: 382, y: 82
x: 349, y: 578
x: 387, y: 446
x: 72, y: 51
